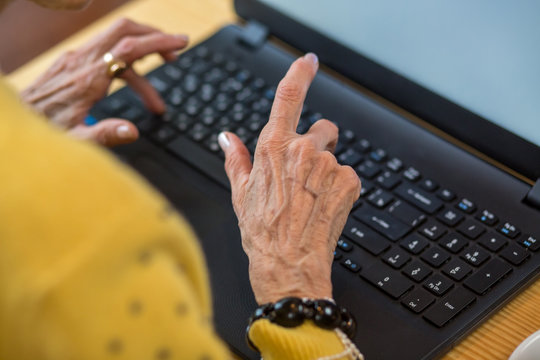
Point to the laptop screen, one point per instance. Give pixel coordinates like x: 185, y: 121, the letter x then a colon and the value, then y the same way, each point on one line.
x: 482, y: 55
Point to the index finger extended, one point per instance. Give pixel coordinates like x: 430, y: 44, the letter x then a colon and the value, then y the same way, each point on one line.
x: 291, y: 93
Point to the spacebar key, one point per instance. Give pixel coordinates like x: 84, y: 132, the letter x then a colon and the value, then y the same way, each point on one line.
x: 418, y: 198
x: 382, y: 222
x: 198, y: 157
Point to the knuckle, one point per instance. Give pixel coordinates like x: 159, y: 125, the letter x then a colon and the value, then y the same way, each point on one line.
x: 302, y: 148
x: 328, y: 124
x: 126, y: 46
x: 270, y: 145
x: 349, y: 177
x: 123, y: 24
x: 231, y: 163
x: 328, y: 159
x: 289, y: 92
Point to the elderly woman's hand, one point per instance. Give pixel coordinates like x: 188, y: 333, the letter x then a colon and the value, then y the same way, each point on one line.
x: 67, y: 91
x: 293, y: 202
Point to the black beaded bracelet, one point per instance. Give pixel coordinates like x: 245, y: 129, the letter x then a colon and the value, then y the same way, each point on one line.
x: 292, y: 311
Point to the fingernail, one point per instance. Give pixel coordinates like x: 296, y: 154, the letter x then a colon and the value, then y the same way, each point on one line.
x: 124, y: 132
x: 312, y: 57
x: 223, y: 141
x: 182, y: 37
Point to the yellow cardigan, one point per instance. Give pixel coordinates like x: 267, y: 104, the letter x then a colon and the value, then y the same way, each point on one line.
x: 94, y: 264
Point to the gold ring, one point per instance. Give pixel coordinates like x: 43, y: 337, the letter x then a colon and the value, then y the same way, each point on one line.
x: 115, y: 67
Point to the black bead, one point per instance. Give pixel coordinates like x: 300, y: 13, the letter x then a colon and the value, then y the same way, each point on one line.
x: 327, y: 315
x: 287, y: 312
x: 348, y: 323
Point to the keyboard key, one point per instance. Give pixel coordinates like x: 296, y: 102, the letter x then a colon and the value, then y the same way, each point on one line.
x: 182, y: 122
x: 466, y: 205
x: 367, y: 187
x: 198, y: 132
x: 380, y: 198
x: 133, y: 114
x: 457, y: 269
x: 202, y: 52
x: 492, y: 241
x: 509, y: 230
x: 515, y: 254
x: 337, y: 255
x: 450, y: 217
x: 449, y: 307
x: 429, y: 185
x: 433, y: 230
x: 350, y: 157
x: 378, y: 155
x: 386, y: 279
x: 176, y: 97
x: 149, y: 123
x: 418, y: 300
x: 446, y: 195
x: 453, y: 242
x: 438, y: 285
x: 171, y: 73
x: 419, y: 198
x: 417, y: 271
x: 406, y: 213
x: 163, y: 134
x: 113, y: 105
x: 487, y: 276
x: 346, y: 136
x: 411, y: 174
x: 362, y: 145
x: 382, y: 222
x: 368, y: 169
x: 357, y: 204
x: 212, y: 143
x: 414, y: 244
x: 388, y: 180
x: 475, y: 255
x: 364, y: 237
x: 487, y: 217
x: 435, y: 256
x: 471, y: 229
x: 158, y: 84
x: 530, y: 242
x: 396, y: 258
x: 395, y: 164
x: 344, y: 245
x: 351, y: 265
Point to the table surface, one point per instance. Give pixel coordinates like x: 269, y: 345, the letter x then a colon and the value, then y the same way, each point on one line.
x: 495, y: 339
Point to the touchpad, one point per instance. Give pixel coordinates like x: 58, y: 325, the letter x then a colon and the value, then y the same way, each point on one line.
x: 208, y: 209
x: 184, y: 192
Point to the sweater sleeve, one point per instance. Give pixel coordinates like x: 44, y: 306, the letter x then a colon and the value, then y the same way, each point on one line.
x: 95, y: 264
x: 302, y: 343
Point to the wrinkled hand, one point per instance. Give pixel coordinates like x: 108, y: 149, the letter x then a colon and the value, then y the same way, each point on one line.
x: 293, y: 201
x: 67, y: 91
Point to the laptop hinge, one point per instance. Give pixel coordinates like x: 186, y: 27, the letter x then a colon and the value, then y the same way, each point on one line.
x: 533, y: 196
x: 254, y: 35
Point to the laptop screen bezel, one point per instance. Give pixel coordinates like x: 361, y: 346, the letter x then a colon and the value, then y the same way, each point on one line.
x: 496, y: 142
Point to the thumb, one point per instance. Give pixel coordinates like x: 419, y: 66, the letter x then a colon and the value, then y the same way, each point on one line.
x: 237, y: 160
x: 109, y: 132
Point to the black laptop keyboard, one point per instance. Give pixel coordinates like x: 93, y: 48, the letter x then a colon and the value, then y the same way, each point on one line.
x: 438, y: 252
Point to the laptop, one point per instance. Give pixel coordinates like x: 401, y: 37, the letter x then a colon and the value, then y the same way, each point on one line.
x: 437, y: 105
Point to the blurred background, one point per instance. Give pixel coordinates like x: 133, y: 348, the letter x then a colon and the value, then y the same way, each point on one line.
x: 27, y: 30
